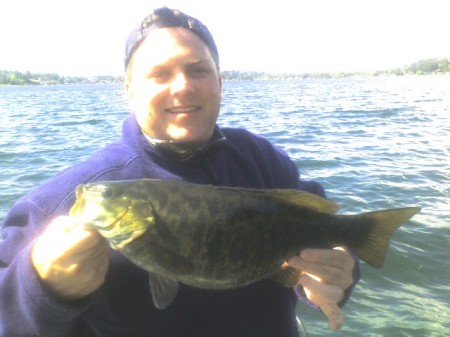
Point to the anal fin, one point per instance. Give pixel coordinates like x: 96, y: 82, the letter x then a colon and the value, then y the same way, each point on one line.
x: 287, y: 277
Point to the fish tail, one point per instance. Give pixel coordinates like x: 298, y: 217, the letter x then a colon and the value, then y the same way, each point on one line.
x: 385, y: 223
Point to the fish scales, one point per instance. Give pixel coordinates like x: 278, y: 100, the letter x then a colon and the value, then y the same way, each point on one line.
x: 228, y: 232
x: 221, y: 237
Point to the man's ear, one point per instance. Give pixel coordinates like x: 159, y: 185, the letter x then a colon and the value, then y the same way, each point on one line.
x: 128, y: 88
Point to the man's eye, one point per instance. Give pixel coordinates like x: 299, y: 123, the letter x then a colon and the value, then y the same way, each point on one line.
x: 199, y: 71
x: 159, y: 74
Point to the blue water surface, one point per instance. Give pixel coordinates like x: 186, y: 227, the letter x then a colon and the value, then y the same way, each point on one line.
x: 373, y: 143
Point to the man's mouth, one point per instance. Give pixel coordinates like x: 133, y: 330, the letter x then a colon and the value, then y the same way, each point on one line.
x: 183, y: 110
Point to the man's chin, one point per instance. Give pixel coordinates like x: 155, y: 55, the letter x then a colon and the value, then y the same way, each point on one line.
x: 186, y: 135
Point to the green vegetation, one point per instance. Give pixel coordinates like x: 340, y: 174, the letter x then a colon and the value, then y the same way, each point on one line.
x: 423, y: 67
x: 27, y: 78
x: 430, y: 66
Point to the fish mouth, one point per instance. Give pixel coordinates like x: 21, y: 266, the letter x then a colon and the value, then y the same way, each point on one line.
x: 114, y: 223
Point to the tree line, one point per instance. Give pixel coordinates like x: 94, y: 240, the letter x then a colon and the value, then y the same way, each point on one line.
x: 430, y: 66
x: 423, y: 67
x: 28, y: 78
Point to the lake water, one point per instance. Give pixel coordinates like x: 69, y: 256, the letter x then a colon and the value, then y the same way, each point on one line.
x: 372, y: 142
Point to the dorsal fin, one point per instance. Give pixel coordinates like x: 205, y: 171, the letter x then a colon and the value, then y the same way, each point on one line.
x: 304, y: 199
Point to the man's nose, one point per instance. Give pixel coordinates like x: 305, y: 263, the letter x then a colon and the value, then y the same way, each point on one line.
x: 181, y: 83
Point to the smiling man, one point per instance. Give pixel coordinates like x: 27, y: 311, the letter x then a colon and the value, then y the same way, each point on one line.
x: 60, y: 280
x: 174, y: 86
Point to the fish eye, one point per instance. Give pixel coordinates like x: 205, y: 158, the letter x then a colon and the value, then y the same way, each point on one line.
x: 107, y: 193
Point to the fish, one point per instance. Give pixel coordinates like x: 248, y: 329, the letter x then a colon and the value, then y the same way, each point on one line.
x: 216, y: 237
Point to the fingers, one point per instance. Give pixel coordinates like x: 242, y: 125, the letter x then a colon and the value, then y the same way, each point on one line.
x: 336, y: 257
x: 326, y: 297
x: 331, y: 266
x: 319, y: 291
x: 65, y: 237
x: 81, y: 277
x: 334, y: 315
x: 326, y: 274
x: 72, y: 261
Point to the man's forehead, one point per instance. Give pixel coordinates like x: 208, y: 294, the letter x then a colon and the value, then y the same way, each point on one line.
x: 167, y: 45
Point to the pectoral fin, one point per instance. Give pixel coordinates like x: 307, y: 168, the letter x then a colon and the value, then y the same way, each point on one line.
x: 163, y: 290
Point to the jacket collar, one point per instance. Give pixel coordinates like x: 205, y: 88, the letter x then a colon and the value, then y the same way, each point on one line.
x: 171, y: 150
x: 183, y: 152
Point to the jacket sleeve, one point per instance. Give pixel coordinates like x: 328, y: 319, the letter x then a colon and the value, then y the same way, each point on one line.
x: 27, y: 307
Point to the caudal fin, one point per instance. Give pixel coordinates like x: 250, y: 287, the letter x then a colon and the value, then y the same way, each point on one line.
x: 386, y: 222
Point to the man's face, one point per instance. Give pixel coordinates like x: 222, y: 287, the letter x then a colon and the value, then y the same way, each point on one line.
x: 174, y: 86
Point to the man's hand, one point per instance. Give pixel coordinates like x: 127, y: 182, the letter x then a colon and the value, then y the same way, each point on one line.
x: 326, y: 274
x: 71, y: 261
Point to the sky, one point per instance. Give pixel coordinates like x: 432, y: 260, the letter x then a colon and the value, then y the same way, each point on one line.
x: 87, y: 37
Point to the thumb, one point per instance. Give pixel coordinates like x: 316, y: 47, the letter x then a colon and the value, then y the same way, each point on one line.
x: 62, y: 223
x: 334, y: 315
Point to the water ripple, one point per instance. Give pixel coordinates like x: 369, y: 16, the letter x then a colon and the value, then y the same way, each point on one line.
x: 372, y: 142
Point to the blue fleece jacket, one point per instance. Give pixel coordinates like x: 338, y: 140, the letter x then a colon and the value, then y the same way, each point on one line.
x: 123, y: 305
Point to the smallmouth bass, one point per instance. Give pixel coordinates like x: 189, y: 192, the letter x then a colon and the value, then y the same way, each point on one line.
x: 222, y: 237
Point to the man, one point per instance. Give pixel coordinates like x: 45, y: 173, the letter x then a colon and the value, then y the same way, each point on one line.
x: 60, y: 282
